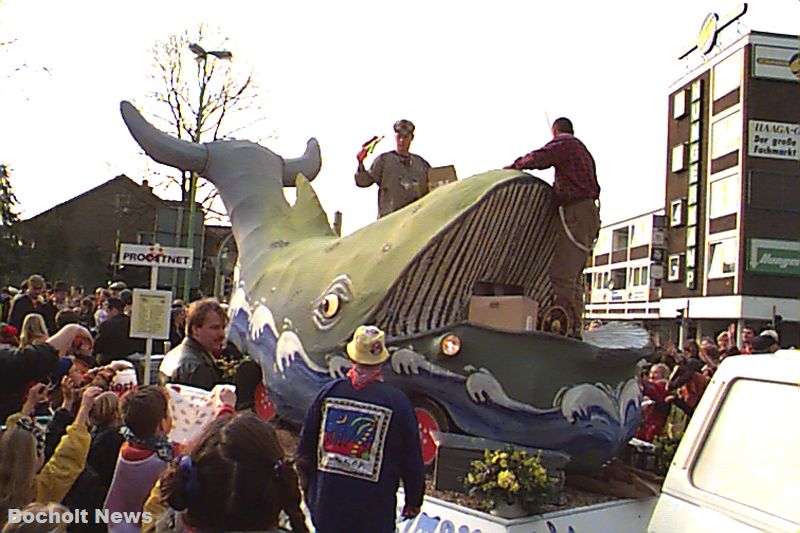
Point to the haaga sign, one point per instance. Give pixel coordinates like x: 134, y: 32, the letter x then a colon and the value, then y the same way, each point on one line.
x: 155, y: 256
x: 773, y: 140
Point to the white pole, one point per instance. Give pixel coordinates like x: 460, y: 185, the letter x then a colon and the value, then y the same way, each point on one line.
x: 148, y: 343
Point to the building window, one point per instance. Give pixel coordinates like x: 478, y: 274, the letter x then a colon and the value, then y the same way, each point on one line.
x: 679, y: 157
x: 727, y: 75
x: 645, y: 280
x: 619, y: 239
x: 674, y: 268
x: 619, y: 278
x: 722, y: 258
x: 679, y: 105
x: 726, y: 135
x: 639, y: 276
x: 724, y: 197
x: 676, y: 211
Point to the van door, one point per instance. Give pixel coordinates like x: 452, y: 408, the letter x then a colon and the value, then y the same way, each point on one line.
x: 737, y: 468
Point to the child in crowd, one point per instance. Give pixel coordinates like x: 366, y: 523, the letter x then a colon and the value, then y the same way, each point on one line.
x: 145, y: 454
x: 24, y: 475
x: 654, y: 408
x: 106, y: 438
x: 235, y: 478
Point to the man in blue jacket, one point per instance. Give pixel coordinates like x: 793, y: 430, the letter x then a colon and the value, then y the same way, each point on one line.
x: 359, y: 439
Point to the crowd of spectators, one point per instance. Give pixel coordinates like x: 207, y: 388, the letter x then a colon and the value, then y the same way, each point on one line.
x: 82, y: 437
x: 673, y: 380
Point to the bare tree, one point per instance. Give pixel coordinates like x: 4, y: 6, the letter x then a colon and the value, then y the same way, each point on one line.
x: 202, y: 96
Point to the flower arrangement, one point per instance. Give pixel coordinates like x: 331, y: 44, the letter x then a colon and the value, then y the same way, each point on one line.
x: 510, y: 476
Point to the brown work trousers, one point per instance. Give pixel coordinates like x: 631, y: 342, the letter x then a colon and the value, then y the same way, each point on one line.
x: 583, y: 220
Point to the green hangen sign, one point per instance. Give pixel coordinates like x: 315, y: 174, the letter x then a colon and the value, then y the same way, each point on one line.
x: 766, y: 256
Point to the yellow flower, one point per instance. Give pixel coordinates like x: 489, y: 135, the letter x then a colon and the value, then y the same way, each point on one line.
x: 515, y: 487
x: 470, y: 478
x: 503, y: 463
x: 506, y: 478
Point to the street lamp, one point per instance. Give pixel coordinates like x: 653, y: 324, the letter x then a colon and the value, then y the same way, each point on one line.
x: 202, y: 60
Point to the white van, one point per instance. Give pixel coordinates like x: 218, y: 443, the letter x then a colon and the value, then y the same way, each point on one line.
x: 737, y: 468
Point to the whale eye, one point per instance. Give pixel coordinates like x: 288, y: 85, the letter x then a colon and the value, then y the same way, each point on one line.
x: 330, y: 306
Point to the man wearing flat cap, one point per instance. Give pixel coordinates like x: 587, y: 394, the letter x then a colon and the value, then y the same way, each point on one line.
x: 402, y: 177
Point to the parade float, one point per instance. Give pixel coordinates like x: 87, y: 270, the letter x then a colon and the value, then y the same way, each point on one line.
x: 302, y: 291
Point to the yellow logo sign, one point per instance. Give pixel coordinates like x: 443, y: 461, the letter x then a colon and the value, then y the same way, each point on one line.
x: 708, y: 33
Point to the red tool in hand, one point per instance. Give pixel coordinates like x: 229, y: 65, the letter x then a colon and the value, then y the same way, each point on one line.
x: 368, y: 147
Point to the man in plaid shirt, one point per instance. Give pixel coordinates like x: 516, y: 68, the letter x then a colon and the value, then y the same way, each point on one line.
x: 576, y: 194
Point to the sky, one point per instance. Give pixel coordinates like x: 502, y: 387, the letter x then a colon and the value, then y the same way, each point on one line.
x: 479, y: 79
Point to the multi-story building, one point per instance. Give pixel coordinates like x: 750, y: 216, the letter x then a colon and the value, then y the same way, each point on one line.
x: 732, y: 184
x: 731, y: 224
x: 627, y: 264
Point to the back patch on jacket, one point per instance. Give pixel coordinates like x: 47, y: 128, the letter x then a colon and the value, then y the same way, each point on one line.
x: 353, y: 438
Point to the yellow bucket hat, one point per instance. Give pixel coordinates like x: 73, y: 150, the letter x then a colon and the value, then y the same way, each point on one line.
x: 367, y: 346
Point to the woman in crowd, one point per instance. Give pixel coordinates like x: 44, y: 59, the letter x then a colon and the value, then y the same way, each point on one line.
x: 34, y: 330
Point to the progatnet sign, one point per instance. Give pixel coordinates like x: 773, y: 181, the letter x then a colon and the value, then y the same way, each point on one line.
x: 767, y: 256
x: 155, y: 256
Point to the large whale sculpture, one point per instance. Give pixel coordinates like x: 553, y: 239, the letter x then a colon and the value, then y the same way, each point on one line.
x: 303, y: 290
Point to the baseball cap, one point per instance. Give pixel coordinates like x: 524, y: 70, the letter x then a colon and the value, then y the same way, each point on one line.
x: 404, y: 127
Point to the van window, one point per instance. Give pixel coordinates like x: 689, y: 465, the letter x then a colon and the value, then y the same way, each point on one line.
x: 750, y: 455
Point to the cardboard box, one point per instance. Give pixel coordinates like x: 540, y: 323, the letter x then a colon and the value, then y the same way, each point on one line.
x: 438, y: 176
x: 507, y: 313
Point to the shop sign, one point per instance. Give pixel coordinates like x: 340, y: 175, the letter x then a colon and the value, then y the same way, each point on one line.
x: 155, y: 256
x: 776, y: 63
x: 709, y: 30
x: 773, y: 140
x: 708, y: 34
x: 767, y: 256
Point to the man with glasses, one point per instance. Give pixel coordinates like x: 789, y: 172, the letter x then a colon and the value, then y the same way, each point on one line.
x: 402, y: 177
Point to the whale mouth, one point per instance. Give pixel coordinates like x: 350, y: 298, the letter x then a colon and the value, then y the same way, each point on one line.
x: 507, y: 239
